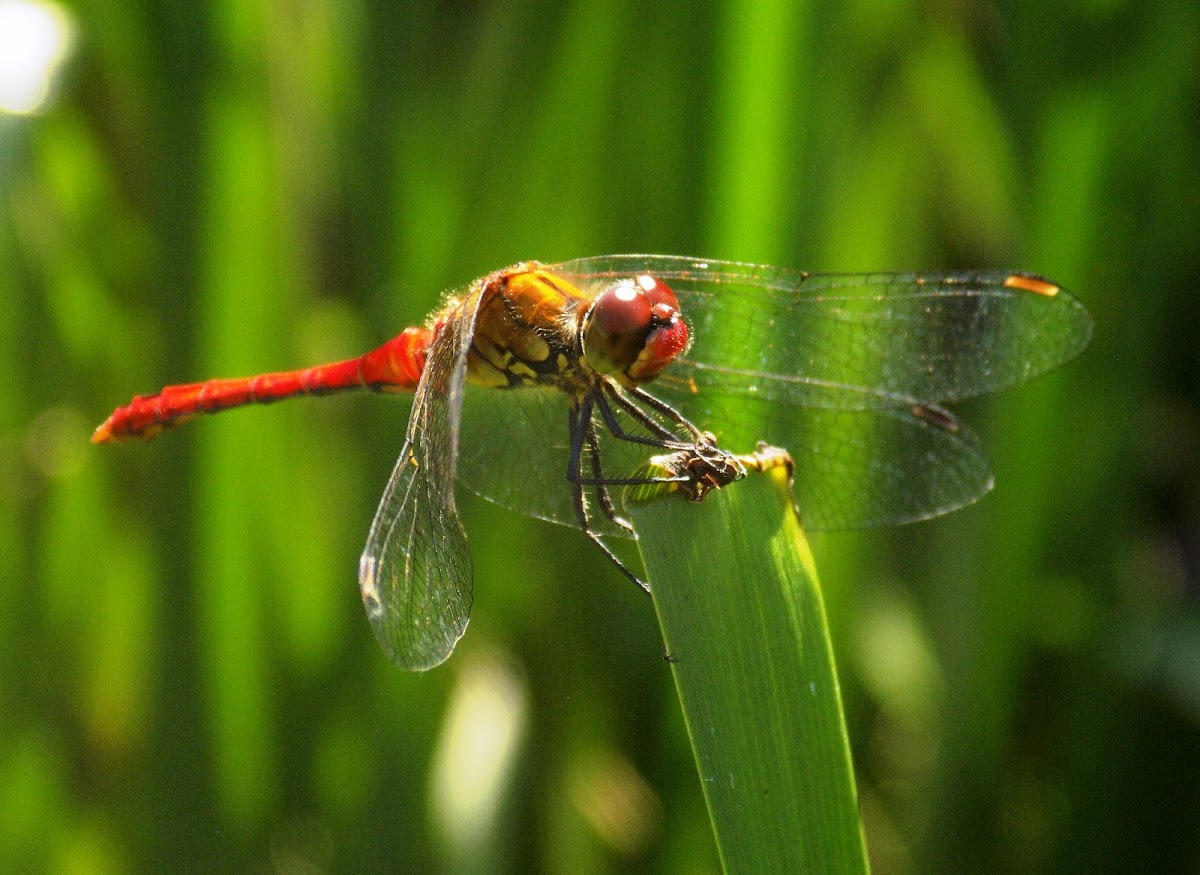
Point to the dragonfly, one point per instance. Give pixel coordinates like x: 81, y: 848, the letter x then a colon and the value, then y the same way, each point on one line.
x: 641, y: 354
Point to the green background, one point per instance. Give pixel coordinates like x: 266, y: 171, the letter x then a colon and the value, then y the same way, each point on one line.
x: 187, y: 678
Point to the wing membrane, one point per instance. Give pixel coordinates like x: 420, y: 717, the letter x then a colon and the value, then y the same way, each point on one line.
x: 859, y: 339
x: 515, y: 447
x: 415, y: 573
x: 847, y: 372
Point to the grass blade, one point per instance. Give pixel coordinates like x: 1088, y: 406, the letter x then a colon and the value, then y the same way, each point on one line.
x: 737, y: 597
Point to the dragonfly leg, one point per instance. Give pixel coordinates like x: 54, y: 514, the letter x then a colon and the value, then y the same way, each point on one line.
x: 582, y: 418
x: 601, y: 485
x: 579, y: 426
x: 662, y: 407
x: 602, y: 481
x: 663, y: 439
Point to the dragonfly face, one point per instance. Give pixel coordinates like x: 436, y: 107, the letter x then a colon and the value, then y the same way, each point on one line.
x: 633, y: 330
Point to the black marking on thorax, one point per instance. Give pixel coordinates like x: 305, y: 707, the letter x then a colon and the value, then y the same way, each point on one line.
x: 509, y: 351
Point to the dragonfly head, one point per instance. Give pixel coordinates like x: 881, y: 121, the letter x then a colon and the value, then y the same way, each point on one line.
x: 633, y: 330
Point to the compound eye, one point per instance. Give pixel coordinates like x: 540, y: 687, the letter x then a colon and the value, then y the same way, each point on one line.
x: 658, y: 292
x: 621, y: 311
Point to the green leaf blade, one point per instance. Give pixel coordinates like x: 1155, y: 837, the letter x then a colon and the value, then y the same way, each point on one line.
x: 737, y: 597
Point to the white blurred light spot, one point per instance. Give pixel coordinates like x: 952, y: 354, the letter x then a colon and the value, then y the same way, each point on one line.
x: 34, y: 39
x: 474, y: 760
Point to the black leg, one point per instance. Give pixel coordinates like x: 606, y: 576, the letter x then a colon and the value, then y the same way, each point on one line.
x: 579, y: 420
x: 664, y: 439
x: 583, y: 436
x: 661, y: 406
x: 601, y: 484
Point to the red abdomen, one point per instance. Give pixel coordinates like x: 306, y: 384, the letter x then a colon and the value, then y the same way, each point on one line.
x: 394, y: 367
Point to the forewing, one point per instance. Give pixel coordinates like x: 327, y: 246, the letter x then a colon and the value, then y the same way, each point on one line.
x: 415, y: 572
x: 847, y: 372
x: 858, y: 340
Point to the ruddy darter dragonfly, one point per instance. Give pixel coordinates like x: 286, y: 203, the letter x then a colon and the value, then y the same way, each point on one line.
x: 848, y: 372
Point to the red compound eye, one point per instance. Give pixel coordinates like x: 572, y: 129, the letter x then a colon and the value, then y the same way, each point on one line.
x: 633, y: 330
x: 658, y: 292
x: 621, y: 311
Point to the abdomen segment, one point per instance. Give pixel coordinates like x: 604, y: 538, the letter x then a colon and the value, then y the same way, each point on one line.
x: 394, y: 367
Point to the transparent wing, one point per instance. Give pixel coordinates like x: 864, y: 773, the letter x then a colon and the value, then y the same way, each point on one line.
x: 415, y: 572
x: 847, y: 372
x: 514, y: 452
x: 852, y: 340
x: 859, y: 468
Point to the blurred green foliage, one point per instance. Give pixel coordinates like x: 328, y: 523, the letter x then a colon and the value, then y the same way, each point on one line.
x: 186, y: 675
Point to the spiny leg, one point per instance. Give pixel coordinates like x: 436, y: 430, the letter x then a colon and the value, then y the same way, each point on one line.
x: 663, y: 438
x: 595, y: 400
x: 583, y: 436
x: 579, y: 415
x: 666, y: 410
x: 601, y: 484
